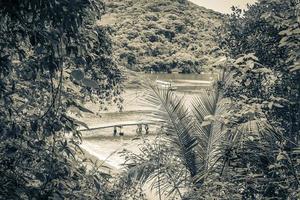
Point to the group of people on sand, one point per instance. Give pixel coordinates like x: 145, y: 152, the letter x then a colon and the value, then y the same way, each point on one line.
x: 139, y: 130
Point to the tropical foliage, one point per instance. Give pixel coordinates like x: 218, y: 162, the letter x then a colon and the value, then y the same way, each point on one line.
x: 189, y: 143
x: 267, y: 79
x: 242, y: 140
x: 238, y: 139
x: 162, y: 35
x: 52, y: 58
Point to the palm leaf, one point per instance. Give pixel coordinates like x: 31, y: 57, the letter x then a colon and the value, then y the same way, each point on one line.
x: 157, y: 165
x: 177, y: 122
x: 209, y: 106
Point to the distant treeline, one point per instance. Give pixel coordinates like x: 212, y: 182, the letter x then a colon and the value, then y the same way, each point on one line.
x: 162, y: 35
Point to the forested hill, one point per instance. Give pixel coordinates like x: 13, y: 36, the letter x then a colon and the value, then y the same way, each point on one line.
x: 161, y: 35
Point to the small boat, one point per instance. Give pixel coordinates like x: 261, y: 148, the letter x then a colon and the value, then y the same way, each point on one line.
x: 165, y: 85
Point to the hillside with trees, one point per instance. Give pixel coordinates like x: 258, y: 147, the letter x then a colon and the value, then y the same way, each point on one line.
x: 162, y: 35
x: 237, y: 139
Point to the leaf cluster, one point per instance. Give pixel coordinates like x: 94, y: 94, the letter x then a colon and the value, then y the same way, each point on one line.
x: 53, y: 57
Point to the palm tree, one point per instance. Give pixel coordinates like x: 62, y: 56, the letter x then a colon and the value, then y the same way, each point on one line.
x: 194, y: 135
x: 199, y: 136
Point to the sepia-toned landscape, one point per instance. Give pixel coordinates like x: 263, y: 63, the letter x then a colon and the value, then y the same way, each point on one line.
x: 149, y: 100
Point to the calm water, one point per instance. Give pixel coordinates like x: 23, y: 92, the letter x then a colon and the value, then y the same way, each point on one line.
x: 104, y: 146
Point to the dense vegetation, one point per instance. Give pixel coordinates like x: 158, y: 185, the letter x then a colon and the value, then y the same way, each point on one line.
x: 52, y: 58
x: 161, y: 35
x: 238, y: 140
x: 241, y: 139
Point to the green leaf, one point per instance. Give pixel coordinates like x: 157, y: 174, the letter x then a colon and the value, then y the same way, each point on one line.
x: 251, y: 138
x: 77, y: 74
x: 80, y: 107
x: 295, y: 67
x: 97, y: 184
x: 90, y: 83
x: 285, y: 32
x: 270, y: 105
x: 205, y: 123
x: 247, y: 82
x: 65, y: 9
x: 239, y: 60
x: 278, y: 105
x: 263, y: 70
x: 82, y: 124
x: 280, y: 157
x: 271, y: 166
x: 251, y: 56
x: 209, y: 118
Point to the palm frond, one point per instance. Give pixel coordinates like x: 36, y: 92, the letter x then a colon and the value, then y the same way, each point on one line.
x: 141, y: 167
x: 208, y: 109
x: 177, y: 122
x: 261, y: 128
x: 170, y: 179
x: 157, y: 165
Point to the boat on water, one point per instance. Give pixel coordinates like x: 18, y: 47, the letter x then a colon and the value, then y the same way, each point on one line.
x: 165, y: 85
